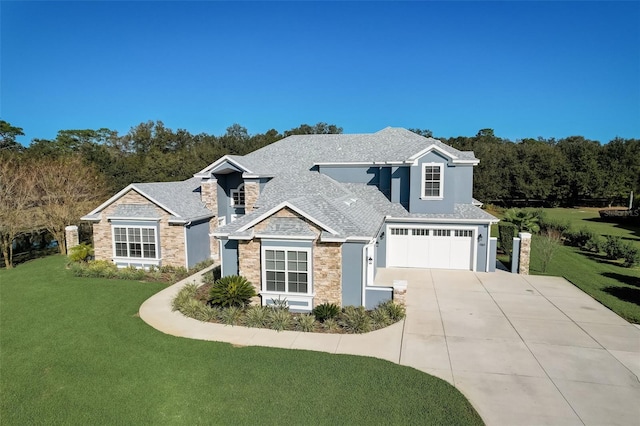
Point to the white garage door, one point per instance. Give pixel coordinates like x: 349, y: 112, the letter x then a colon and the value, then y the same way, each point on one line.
x: 430, y: 248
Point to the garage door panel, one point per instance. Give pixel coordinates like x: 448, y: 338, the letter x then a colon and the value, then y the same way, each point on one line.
x: 431, y: 248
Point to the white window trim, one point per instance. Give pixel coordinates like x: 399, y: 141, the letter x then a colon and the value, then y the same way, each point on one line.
x: 285, y: 294
x: 236, y: 191
x: 422, y: 177
x: 135, y: 260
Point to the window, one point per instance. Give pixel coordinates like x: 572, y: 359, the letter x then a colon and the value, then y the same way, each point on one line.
x: 399, y: 231
x: 432, y: 180
x: 441, y: 232
x: 237, y: 196
x: 420, y: 232
x: 135, y: 242
x: 463, y: 233
x: 286, y: 271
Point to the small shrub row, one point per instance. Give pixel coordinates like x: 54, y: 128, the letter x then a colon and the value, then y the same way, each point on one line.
x: 81, y: 267
x: 614, y: 248
x: 351, y: 319
x: 584, y: 239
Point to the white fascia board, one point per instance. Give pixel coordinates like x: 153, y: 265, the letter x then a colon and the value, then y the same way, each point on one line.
x: 150, y: 219
x: 432, y: 147
x: 193, y: 219
x: 124, y: 191
x: 255, y: 176
x: 90, y: 219
x: 471, y: 162
x: 285, y: 237
x: 219, y: 234
x: 280, y: 207
x: 438, y: 220
x: 357, y: 238
x: 345, y: 163
x: 332, y: 240
x: 241, y: 237
x: 203, y: 172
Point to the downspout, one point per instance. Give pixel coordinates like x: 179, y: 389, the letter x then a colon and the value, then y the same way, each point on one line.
x: 186, y: 248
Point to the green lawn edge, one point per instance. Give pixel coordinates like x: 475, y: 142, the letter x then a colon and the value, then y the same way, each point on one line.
x: 74, y: 351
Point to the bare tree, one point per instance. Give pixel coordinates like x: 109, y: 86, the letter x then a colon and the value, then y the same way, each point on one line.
x: 16, y: 198
x: 66, y: 189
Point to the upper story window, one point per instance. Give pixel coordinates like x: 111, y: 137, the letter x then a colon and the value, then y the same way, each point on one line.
x: 237, y: 196
x: 432, y: 181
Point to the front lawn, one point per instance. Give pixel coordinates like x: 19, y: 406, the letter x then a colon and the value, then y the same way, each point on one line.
x: 74, y: 351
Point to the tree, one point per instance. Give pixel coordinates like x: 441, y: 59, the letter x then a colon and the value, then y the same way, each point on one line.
x: 16, y: 192
x: 66, y: 188
x: 423, y: 132
x: 320, y: 128
x: 8, y: 134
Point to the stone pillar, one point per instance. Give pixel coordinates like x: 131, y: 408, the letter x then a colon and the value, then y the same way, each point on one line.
x: 525, y: 253
x: 209, y: 196
x: 71, y: 236
x: 251, y: 193
x: 400, y: 292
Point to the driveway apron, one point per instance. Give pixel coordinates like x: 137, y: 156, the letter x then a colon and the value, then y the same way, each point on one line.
x: 524, y: 349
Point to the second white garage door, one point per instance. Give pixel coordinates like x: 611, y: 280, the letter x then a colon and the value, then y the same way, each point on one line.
x: 430, y: 248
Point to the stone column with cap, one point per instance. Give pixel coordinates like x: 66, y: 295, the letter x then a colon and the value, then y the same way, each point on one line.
x: 71, y: 236
x: 525, y: 253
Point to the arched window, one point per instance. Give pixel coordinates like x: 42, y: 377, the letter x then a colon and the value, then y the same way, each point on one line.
x: 237, y: 196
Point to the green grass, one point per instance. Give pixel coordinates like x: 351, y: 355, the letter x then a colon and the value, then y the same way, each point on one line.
x: 609, y: 283
x: 74, y: 351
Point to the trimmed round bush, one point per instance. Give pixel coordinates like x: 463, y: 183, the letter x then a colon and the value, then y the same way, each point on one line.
x: 233, y: 290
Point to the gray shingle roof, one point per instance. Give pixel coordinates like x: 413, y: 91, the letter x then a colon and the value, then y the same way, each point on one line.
x: 303, y: 151
x: 288, y: 226
x: 182, y: 198
x: 148, y: 211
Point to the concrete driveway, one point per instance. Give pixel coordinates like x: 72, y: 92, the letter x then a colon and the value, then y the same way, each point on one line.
x: 524, y: 349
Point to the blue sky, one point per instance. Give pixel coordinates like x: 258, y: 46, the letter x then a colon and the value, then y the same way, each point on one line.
x: 525, y: 69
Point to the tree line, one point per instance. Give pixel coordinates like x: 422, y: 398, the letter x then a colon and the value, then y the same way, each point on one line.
x: 97, y: 163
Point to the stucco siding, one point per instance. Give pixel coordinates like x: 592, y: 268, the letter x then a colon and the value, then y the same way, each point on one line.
x: 352, y: 264
x: 198, y: 243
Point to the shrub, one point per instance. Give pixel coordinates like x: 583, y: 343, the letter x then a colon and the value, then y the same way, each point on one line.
x: 200, y: 266
x: 396, y: 312
x: 613, y: 247
x: 191, y: 308
x: 280, y: 319
x: 325, y: 311
x: 305, y: 323
x: 380, y: 318
x: 131, y: 273
x: 506, y: 232
x: 230, y: 315
x: 232, y: 290
x: 207, y: 313
x: 355, y: 320
x: 256, y: 316
x: 630, y: 254
x: 562, y: 227
x: 548, y: 243
x: 583, y: 238
x: 279, y: 303
x: 101, y: 269
x: 183, y: 297
x: 80, y: 253
x: 331, y: 325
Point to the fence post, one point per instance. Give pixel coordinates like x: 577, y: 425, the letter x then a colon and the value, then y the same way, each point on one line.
x: 515, y: 255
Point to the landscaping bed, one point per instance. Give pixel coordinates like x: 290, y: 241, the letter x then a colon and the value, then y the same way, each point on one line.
x: 197, y: 302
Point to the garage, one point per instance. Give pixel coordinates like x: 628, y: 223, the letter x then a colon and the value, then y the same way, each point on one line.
x: 433, y: 247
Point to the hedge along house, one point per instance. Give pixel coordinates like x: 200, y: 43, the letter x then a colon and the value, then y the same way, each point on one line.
x: 310, y: 218
x: 153, y: 224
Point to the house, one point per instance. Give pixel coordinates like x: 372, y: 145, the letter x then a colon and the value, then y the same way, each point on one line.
x: 310, y: 218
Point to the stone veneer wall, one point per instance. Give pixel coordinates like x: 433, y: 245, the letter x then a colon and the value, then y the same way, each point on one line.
x: 327, y: 273
x: 326, y: 262
x: 209, y: 196
x: 249, y: 263
x: 251, y: 193
x: 172, y: 249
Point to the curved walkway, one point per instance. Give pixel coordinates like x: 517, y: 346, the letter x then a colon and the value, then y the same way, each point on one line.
x: 524, y: 349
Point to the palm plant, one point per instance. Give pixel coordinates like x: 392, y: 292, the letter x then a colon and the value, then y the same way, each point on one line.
x: 524, y: 220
